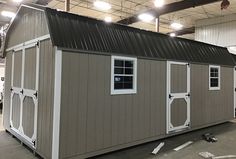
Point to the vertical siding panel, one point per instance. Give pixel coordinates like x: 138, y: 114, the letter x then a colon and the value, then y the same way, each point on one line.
x: 107, y: 127
x: 7, y: 92
x: 45, y: 99
x: 91, y: 122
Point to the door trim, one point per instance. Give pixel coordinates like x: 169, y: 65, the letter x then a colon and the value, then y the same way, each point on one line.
x: 169, y: 126
x: 27, y: 93
x: 234, y: 89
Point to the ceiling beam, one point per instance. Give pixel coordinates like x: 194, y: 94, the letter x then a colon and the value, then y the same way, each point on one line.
x: 168, y: 8
x: 184, y: 31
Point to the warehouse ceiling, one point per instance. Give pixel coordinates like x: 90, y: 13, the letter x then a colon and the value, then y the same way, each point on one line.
x: 125, y: 9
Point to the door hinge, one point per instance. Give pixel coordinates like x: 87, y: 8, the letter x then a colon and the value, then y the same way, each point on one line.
x: 188, y: 95
x: 11, y: 89
x: 36, y: 94
x: 22, y: 91
x: 170, y: 96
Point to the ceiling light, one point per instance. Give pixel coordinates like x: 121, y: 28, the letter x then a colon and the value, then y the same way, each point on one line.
x: 17, y: 1
x: 146, y: 17
x: 176, y: 26
x: 102, y: 5
x: 159, y: 3
x: 172, y: 34
x: 232, y: 49
x: 108, y: 19
x: 8, y: 14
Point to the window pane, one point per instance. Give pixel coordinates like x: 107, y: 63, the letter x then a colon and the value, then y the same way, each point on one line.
x: 119, y: 63
x: 128, y: 71
x: 214, y: 82
x: 118, y: 86
x: 119, y: 71
x: 128, y: 85
x: 128, y: 79
x: 128, y: 63
x: 119, y: 79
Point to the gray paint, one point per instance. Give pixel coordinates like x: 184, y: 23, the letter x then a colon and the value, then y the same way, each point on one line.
x: 208, y: 106
x: 93, y: 120
x: 7, y: 92
x: 30, y: 68
x: 16, y: 111
x: 17, y: 69
x: 34, y: 21
x: 45, y: 99
x: 178, y: 78
x: 28, y: 116
x: 178, y: 112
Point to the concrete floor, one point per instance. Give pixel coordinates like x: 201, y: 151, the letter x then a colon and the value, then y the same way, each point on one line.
x: 10, y: 148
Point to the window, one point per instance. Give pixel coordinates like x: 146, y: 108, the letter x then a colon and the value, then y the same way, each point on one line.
x: 123, y: 75
x: 214, y: 77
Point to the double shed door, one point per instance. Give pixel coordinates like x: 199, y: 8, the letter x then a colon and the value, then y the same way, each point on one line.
x: 24, y: 92
x: 178, y: 96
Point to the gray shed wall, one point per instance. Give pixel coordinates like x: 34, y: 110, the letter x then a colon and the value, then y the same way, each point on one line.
x: 33, y: 20
x: 211, y: 106
x: 95, y: 122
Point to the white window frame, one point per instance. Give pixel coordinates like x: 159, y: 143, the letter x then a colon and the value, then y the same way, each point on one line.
x: 124, y: 91
x: 219, y: 77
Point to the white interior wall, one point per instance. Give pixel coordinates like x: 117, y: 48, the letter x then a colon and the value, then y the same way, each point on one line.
x: 219, y: 31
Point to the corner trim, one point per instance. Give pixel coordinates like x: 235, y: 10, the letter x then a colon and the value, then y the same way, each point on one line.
x: 57, y: 104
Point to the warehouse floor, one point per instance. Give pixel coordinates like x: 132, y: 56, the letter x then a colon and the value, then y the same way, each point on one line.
x: 10, y: 148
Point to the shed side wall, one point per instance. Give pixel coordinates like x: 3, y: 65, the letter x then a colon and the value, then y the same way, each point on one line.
x: 7, y: 92
x: 92, y: 119
x: 28, y: 25
x: 210, y: 106
x: 46, y: 97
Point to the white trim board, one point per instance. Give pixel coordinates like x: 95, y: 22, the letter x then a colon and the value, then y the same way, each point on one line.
x: 57, y: 104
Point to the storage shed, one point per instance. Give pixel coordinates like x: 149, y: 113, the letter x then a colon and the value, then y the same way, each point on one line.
x: 77, y: 87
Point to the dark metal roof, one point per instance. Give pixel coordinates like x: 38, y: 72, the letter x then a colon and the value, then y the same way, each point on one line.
x: 86, y: 34
x: 234, y: 58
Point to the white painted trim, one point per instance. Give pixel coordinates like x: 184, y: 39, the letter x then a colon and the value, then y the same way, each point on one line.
x: 169, y: 125
x: 124, y: 91
x: 26, y: 93
x: 209, y: 77
x: 57, y: 104
x: 28, y: 42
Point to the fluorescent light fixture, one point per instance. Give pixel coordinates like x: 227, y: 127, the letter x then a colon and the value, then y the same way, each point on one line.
x: 172, y: 34
x: 108, y: 19
x: 176, y: 26
x: 159, y: 3
x: 8, y: 14
x: 17, y: 1
x: 232, y: 49
x: 146, y: 17
x: 102, y: 5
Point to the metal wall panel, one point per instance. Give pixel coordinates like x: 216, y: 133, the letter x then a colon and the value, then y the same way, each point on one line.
x: 45, y: 98
x: 92, y: 119
x: 219, y: 31
x: 33, y: 20
x: 210, y: 106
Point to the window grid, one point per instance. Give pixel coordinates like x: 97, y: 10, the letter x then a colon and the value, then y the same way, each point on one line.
x: 214, y: 78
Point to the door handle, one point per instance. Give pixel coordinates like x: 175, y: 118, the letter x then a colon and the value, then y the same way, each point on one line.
x: 188, y: 95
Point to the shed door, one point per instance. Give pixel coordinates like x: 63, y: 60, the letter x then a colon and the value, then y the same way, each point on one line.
x: 178, y: 96
x: 24, y: 92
